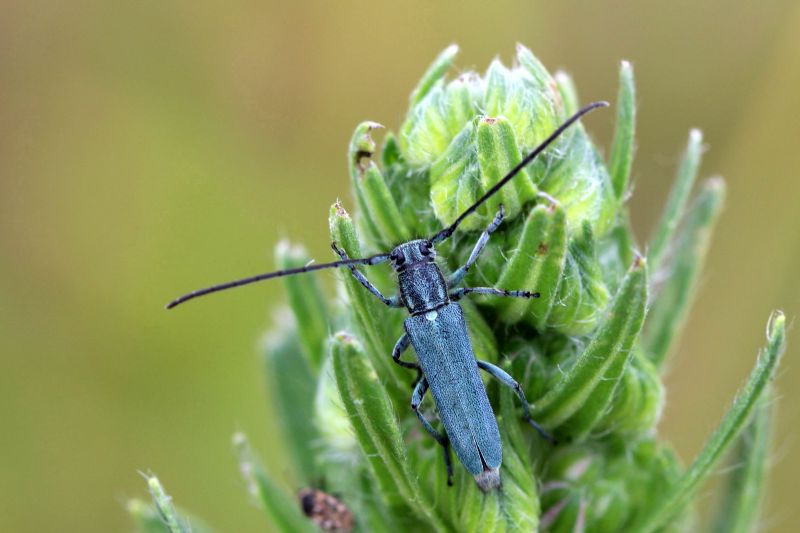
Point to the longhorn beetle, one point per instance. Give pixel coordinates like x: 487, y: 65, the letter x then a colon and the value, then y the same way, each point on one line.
x: 438, y: 332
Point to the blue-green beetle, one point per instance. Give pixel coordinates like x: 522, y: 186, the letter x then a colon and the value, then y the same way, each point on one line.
x: 438, y: 332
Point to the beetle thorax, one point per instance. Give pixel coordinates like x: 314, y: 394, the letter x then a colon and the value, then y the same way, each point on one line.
x: 422, y: 285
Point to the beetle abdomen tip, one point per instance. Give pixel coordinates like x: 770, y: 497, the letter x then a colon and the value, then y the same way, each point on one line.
x: 488, y: 480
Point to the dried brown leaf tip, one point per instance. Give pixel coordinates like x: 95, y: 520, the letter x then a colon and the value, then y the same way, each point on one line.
x: 340, y: 210
x: 326, y: 511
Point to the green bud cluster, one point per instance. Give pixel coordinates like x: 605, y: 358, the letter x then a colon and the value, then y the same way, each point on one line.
x: 460, y: 138
x: 588, y: 353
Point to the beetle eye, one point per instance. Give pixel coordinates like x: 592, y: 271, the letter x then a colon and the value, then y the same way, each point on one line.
x: 425, y: 248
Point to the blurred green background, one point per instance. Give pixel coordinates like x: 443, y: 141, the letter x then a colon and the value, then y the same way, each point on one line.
x: 149, y: 148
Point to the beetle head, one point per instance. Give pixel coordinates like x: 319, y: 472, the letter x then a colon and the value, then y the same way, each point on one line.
x: 412, y: 252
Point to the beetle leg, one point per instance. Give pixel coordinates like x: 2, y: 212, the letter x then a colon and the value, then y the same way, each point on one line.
x: 401, y: 346
x: 416, y: 400
x: 394, y: 301
x: 417, y: 379
x: 463, y: 291
x: 456, y: 277
x: 504, y: 378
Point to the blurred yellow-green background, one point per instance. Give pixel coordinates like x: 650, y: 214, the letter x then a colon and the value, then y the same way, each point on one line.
x: 148, y: 148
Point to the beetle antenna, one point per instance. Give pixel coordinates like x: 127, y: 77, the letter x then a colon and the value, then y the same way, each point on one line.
x: 449, y: 230
x: 372, y: 260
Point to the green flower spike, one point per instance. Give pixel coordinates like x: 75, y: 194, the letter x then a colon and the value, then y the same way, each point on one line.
x: 588, y: 353
x: 161, y: 516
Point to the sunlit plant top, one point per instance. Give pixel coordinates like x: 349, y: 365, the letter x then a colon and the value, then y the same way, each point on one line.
x: 589, y: 353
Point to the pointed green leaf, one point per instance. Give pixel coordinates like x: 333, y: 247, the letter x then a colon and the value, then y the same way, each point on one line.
x: 435, y: 72
x: 283, y: 509
x: 341, y: 464
x: 497, y: 154
x: 579, y: 180
x: 520, y: 496
x: 538, y: 116
x: 453, y: 502
x: 624, y: 133
x: 616, y: 251
x: 675, y: 498
x: 676, y: 203
x: 371, y: 417
x: 499, y: 89
x: 455, y: 181
x: 362, y: 145
x: 569, y: 299
x: 618, y: 357
x: 536, y: 265
x: 382, y: 207
x: 490, y: 518
x: 572, y: 472
x: 534, y: 67
x: 147, y: 519
x: 582, y: 295
x: 373, y: 195
x: 410, y: 188
x: 370, y: 315
x: 598, y: 368
x: 171, y: 521
x: 338, y: 449
x: 675, y: 296
x: 291, y: 386
x: 390, y: 150
x: 456, y: 105
x: 638, y: 400
x: 738, y: 511
x: 433, y: 123
x: 519, y: 97
x: 567, y: 92
x: 375, y: 425
x: 475, y: 511
x: 307, y: 302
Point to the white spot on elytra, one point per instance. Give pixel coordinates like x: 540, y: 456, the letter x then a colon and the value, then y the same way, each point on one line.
x: 431, y: 315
